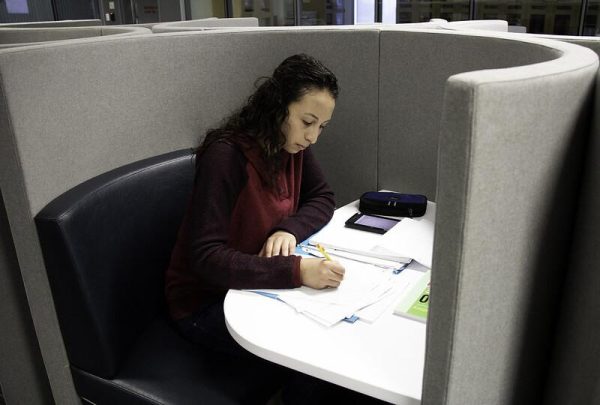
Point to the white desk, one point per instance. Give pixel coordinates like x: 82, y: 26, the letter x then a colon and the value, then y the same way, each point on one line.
x: 384, y: 360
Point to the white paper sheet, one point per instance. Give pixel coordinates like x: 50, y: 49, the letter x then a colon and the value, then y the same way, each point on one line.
x: 363, y: 285
x: 410, y: 238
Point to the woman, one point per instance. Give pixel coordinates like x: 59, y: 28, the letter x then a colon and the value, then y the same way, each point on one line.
x: 258, y: 192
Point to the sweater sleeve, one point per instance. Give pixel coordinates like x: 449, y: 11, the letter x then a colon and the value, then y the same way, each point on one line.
x: 220, y: 177
x: 316, y: 201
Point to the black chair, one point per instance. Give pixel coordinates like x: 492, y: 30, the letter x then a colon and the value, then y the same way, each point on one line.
x: 106, y: 244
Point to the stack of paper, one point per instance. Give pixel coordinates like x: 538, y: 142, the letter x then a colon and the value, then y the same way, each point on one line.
x: 412, y: 238
x: 372, y: 261
x: 363, y: 285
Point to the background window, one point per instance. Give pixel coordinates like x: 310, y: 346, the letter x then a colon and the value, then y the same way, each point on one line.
x: 268, y: 12
x: 591, y: 24
x: 561, y: 17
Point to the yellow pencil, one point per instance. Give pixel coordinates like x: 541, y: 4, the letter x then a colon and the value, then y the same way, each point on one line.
x: 323, y: 252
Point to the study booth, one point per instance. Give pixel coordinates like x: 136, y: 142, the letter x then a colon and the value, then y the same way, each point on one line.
x: 445, y: 114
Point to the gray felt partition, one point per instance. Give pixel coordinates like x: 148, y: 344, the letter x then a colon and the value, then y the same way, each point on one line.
x: 22, y: 373
x: 131, y: 115
x: 486, y: 25
x: 205, y: 23
x: 500, y: 25
x: 16, y: 37
x: 52, y: 24
x: 248, y: 24
x: 506, y: 166
x: 575, y: 372
x: 410, y: 105
x: 164, y: 90
x: 589, y: 42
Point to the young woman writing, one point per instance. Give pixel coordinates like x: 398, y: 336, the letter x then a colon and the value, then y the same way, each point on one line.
x: 258, y: 192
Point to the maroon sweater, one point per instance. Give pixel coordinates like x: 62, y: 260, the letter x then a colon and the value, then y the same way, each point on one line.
x: 231, y: 214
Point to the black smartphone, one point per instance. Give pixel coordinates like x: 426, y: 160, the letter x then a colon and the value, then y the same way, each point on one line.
x: 371, y: 223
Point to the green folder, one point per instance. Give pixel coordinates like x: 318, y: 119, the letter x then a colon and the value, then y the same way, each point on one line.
x: 415, y: 303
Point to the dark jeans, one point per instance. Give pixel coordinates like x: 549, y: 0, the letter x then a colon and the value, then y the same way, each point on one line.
x: 207, y: 328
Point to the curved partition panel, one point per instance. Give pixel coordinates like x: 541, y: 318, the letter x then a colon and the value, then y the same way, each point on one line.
x: 206, y: 23
x: 431, y: 24
x: 16, y: 37
x: 500, y: 25
x: 124, y: 30
x: 181, y: 26
x: 507, y: 166
x: 589, y: 42
x: 52, y: 24
x: 576, y: 358
x: 485, y: 25
x: 576, y: 362
x: 411, y: 101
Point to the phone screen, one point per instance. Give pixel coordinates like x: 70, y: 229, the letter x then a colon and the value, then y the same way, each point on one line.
x: 376, y: 222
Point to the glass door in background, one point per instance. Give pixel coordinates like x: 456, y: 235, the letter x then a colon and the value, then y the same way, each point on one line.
x: 559, y: 17
x: 412, y: 11
x: 268, y: 12
x: 591, y: 21
x: 327, y: 12
x: 199, y: 9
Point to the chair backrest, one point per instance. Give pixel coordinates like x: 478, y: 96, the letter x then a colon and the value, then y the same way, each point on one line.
x: 106, y: 244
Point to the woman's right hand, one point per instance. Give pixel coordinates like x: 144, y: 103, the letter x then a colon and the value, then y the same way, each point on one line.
x: 320, y: 273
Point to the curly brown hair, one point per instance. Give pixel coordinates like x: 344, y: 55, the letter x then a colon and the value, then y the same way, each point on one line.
x: 261, y: 118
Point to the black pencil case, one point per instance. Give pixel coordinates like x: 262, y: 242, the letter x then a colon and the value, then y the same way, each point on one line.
x: 393, y: 204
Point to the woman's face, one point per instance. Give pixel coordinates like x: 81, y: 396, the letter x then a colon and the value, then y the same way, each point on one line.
x: 306, y: 119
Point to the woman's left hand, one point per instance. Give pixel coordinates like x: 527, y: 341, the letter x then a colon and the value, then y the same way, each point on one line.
x: 280, y: 243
